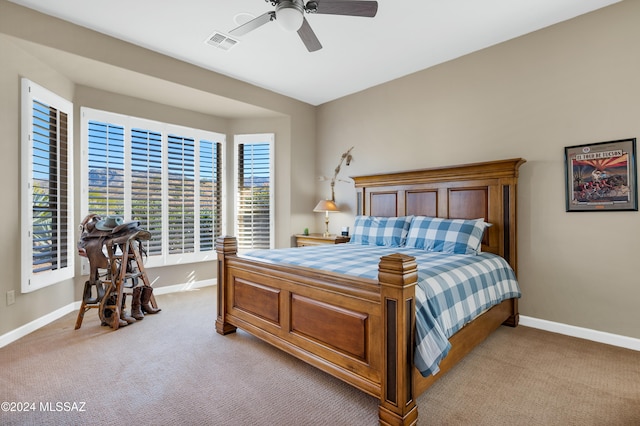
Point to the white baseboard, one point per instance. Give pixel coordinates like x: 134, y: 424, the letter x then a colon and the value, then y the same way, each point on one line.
x: 32, y: 326
x: 184, y: 287
x: 582, y: 333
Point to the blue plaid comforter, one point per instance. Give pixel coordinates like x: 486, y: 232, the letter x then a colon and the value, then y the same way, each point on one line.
x: 452, y: 289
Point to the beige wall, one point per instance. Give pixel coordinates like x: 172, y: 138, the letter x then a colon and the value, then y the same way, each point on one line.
x: 42, y: 48
x: 573, y: 83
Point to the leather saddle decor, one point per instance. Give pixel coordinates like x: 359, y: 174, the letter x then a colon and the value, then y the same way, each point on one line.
x: 95, y: 232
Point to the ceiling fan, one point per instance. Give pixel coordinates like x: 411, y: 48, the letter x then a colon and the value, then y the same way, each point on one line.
x: 290, y: 16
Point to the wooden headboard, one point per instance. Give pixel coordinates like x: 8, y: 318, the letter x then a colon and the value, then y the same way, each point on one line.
x: 468, y: 191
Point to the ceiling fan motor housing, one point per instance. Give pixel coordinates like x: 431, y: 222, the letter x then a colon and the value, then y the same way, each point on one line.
x: 290, y: 14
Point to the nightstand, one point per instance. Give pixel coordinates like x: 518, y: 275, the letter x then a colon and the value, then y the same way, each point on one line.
x: 319, y: 239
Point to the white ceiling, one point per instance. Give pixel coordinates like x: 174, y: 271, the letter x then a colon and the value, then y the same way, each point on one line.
x: 358, y: 53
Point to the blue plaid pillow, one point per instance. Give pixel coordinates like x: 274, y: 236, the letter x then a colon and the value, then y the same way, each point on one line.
x: 380, y: 231
x: 455, y: 236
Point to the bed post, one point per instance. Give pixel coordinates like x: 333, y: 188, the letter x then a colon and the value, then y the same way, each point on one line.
x: 510, y: 232
x: 224, y: 246
x: 397, y: 275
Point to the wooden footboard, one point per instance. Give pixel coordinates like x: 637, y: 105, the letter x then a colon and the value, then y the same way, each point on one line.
x: 358, y: 330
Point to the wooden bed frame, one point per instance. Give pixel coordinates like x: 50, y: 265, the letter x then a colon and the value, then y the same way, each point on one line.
x: 362, y: 330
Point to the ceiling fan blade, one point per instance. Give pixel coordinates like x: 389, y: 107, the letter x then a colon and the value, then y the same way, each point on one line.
x: 367, y: 9
x: 309, y: 37
x: 253, y: 24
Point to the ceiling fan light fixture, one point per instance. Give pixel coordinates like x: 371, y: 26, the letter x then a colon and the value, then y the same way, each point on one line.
x: 290, y: 14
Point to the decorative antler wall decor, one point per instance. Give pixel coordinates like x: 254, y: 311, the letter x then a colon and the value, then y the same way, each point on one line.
x: 345, y: 156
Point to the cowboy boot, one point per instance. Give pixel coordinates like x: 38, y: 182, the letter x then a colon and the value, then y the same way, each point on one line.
x: 86, y: 295
x: 123, y: 313
x: 146, y: 297
x: 136, y: 307
x: 108, y: 314
x: 100, y: 289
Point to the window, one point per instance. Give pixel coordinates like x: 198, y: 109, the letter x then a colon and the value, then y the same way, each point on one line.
x: 147, y: 184
x: 47, y: 243
x: 167, y: 177
x: 254, y: 191
x: 106, y: 168
x: 210, y: 194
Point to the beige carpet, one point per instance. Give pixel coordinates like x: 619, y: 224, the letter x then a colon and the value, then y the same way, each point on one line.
x: 172, y: 368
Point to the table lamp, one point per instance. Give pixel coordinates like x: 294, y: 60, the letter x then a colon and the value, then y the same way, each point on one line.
x: 326, y: 206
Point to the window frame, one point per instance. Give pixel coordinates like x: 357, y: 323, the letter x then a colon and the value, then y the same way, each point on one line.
x: 31, y: 281
x: 165, y: 258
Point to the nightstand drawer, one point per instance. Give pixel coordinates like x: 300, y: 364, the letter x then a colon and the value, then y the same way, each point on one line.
x: 319, y: 239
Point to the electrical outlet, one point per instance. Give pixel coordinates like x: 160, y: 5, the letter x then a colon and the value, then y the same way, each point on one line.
x: 84, y: 266
x: 11, y: 297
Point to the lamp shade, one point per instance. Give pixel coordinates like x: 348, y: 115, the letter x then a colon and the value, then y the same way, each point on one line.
x: 290, y: 15
x: 326, y: 206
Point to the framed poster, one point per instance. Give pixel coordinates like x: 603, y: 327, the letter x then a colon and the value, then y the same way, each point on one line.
x: 601, y: 176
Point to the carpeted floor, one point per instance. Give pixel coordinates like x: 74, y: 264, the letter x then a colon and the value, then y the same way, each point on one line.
x: 173, y: 368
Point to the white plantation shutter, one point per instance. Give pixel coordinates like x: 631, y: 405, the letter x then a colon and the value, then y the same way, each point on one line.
x: 106, y: 165
x: 254, y: 191
x: 181, y: 187
x: 210, y: 193
x: 47, y: 246
x: 146, y: 185
x: 170, y: 179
